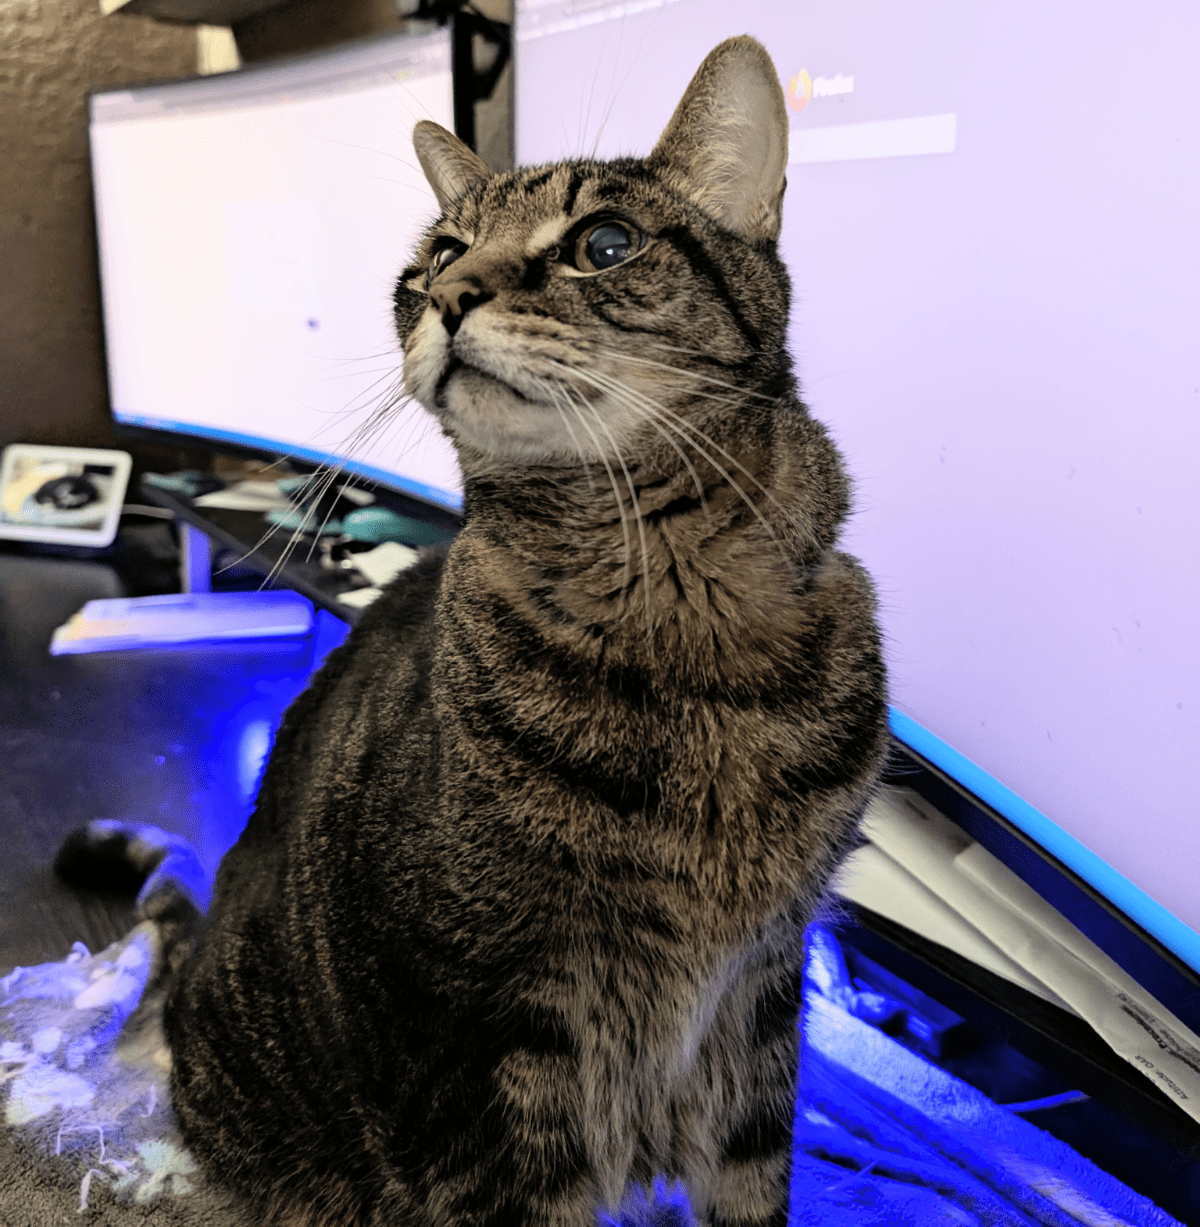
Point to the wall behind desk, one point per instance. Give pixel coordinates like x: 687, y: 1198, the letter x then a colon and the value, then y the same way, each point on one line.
x: 52, y: 382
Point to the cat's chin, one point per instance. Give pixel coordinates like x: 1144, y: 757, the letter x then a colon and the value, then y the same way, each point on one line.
x: 497, y: 419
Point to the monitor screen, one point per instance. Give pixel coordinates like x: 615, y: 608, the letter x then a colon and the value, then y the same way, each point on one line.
x: 991, y: 226
x: 251, y: 226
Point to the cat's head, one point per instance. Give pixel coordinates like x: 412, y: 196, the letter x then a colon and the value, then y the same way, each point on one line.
x: 566, y: 312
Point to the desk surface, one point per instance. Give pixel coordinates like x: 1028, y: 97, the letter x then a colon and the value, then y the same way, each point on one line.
x: 173, y: 736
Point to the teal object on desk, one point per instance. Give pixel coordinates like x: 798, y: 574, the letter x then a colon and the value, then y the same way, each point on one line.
x: 305, y: 520
x: 378, y: 524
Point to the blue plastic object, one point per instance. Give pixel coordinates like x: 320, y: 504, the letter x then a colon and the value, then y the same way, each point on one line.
x: 185, y: 617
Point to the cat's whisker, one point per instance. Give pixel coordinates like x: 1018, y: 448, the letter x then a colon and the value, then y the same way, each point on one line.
x: 319, y: 481
x: 318, y: 484
x: 659, y: 342
x: 707, y: 438
x: 711, y: 442
x: 326, y: 479
x: 554, y: 394
x: 750, y: 503
x: 328, y: 514
x: 382, y: 371
x: 274, y: 528
x: 739, y: 395
x: 735, y: 400
x: 634, y: 400
x: 612, y: 477
x: 680, y: 426
x: 683, y: 456
x: 367, y: 355
x: 327, y: 483
x: 641, y: 527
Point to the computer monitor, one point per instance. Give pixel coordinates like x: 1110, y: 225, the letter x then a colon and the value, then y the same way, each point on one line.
x: 991, y: 226
x: 250, y: 229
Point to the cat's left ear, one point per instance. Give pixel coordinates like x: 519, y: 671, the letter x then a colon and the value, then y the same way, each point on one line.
x: 726, y: 145
x: 449, y: 165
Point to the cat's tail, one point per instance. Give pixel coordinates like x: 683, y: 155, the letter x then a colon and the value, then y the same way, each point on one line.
x: 173, y: 890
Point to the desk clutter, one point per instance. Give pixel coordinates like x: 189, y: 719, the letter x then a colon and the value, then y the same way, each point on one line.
x: 311, y: 506
x: 335, y: 548
x: 331, y: 540
x: 923, y: 872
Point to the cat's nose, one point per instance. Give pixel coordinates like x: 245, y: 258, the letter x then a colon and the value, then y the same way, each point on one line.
x: 456, y: 298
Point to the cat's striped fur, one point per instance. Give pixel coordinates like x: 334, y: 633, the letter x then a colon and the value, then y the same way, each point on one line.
x: 518, y: 918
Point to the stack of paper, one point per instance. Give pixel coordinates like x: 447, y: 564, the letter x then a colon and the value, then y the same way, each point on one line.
x: 925, y: 873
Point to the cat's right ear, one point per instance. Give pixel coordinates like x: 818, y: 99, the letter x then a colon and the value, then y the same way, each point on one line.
x: 449, y: 165
x: 726, y: 146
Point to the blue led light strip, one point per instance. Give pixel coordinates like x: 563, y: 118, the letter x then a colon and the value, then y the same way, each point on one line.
x: 1179, y: 938
x: 406, y: 485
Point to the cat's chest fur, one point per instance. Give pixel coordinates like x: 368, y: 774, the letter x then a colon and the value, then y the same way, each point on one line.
x: 651, y: 762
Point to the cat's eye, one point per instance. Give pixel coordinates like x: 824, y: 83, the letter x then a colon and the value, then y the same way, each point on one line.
x: 444, y: 256
x: 608, y: 244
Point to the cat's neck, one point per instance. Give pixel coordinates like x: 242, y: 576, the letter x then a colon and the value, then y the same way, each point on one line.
x: 707, y: 564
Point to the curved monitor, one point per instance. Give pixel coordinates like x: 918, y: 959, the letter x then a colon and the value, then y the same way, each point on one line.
x: 250, y: 228
x: 991, y: 224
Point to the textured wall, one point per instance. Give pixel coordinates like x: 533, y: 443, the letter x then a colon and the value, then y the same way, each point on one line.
x: 52, y: 386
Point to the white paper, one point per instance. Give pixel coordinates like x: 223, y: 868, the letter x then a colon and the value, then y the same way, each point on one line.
x: 871, y: 879
x: 384, y: 562
x: 246, y: 496
x: 360, y: 598
x: 1133, y: 1022
x: 1044, y: 943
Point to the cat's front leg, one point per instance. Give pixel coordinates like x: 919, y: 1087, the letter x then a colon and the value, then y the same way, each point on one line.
x: 737, y: 1166
x: 505, y: 1146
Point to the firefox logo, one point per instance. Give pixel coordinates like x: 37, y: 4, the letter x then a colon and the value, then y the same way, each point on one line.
x: 799, y: 90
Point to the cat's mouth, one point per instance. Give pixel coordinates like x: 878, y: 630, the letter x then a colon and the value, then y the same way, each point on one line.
x: 485, y: 409
x: 470, y: 375
x: 510, y: 400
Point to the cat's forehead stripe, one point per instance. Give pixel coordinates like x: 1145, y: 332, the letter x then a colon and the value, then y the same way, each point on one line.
x: 573, y: 186
x: 534, y: 182
x: 546, y: 235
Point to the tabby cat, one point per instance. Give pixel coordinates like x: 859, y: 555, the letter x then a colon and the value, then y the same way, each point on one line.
x: 517, y: 923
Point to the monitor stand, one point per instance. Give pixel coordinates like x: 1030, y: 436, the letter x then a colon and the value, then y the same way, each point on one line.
x: 195, y: 558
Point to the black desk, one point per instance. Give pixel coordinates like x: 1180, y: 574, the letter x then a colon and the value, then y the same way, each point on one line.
x: 171, y: 736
